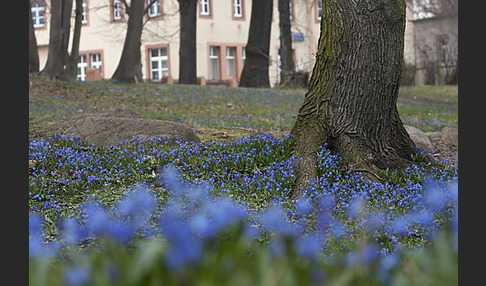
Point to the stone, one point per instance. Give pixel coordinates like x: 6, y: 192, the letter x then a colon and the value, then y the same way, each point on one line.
x: 420, y: 138
x: 104, y: 131
x: 450, y: 136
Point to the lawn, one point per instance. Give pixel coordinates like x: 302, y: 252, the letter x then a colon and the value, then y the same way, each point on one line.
x: 217, y: 213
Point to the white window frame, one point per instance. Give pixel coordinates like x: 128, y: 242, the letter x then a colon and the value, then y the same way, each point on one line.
x: 230, y: 58
x: 154, y: 10
x: 319, y: 9
x: 205, y: 8
x: 290, y: 10
x: 38, y: 10
x: 84, y: 12
x: 82, y: 66
x: 243, y: 54
x: 237, y: 4
x: 213, y: 56
x: 97, y: 63
x: 117, y: 10
x: 161, y: 72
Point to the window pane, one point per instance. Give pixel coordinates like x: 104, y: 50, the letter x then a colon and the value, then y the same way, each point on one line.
x: 164, y: 64
x: 155, y: 65
x: 155, y: 75
x: 154, y: 52
x: 230, y: 52
x: 163, y: 52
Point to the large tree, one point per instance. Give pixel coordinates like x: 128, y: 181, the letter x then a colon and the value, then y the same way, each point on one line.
x: 351, y: 103
x: 255, y: 69
x: 287, y: 61
x: 33, y: 51
x: 187, y: 47
x: 60, y: 23
x: 73, y: 59
x: 129, y: 66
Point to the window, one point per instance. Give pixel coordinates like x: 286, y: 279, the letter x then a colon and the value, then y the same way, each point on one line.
x: 154, y: 10
x: 319, y: 9
x: 38, y: 12
x: 237, y: 9
x: 423, y: 9
x: 243, y: 54
x: 205, y: 8
x: 117, y: 10
x: 95, y: 60
x: 91, y: 60
x: 82, y: 66
x: 159, y: 63
x: 84, y: 13
x: 214, y: 71
x: 291, y: 7
x: 231, y: 62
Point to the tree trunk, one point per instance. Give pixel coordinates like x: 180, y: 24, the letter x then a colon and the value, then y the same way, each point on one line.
x: 33, y: 51
x: 130, y: 60
x: 352, y: 96
x: 60, y: 24
x: 73, y: 59
x: 286, y: 59
x: 187, y: 50
x: 255, y: 70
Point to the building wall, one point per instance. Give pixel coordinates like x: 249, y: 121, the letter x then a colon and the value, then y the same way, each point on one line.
x: 102, y: 34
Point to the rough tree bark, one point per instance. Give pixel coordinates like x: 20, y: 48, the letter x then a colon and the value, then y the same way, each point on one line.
x: 255, y: 70
x: 287, y: 61
x: 60, y: 24
x: 187, y: 50
x: 33, y: 50
x: 353, y: 91
x: 73, y: 59
x: 129, y: 63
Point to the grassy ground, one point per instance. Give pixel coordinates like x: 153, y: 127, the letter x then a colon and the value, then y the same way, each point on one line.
x: 215, y: 112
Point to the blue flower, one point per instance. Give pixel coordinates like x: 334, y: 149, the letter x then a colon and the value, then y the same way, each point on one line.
x: 275, y: 220
x: 77, y: 276
x: 310, y: 246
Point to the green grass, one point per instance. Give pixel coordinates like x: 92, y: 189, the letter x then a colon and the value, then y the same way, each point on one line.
x: 262, y: 110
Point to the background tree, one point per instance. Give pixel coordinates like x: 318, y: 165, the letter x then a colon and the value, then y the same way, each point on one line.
x: 351, y: 103
x: 73, y: 59
x: 60, y: 23
x: 33, y: 50
x: 255, y: 69
x: 187, y: 46
x: 129, y: 66
x: 287, y: 61
x: 436, y: 39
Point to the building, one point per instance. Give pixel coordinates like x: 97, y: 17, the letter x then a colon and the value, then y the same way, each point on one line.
x: 222, y: 32
x: 433, y: 41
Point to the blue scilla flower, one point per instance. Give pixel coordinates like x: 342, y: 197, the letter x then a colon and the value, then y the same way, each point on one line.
x: 138, y: 206
x: 434, y: 199
x: 170, y: 177
x: 72, y: 231
x: 97, y: 219
x: 251, y: 231
x: 76, y: 276
x: 303, y: 207
x: 338, y: 229
x: 188, y: 249
x: 400, y: 225
x: 309, y: 246
x: 356, y: 206
x: 122, y: 232
x: 40, y: 250
x: 35, y: 225
x: 276, y: 248
x: 224, y: 212
x: 275, y: 220
x: 368, y: 254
